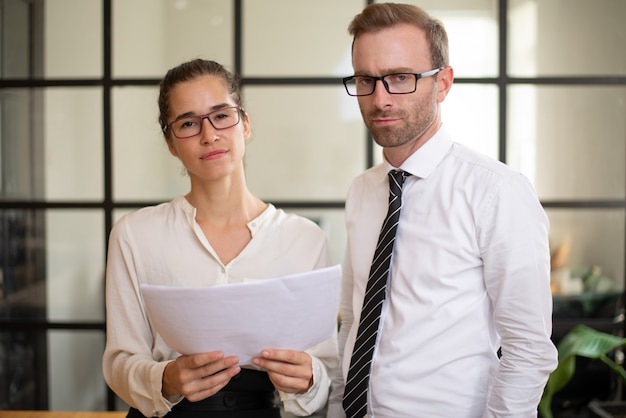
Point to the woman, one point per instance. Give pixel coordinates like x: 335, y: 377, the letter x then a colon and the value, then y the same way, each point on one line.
x: 218, y: 233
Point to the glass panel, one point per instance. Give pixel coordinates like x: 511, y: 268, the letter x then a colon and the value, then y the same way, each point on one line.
x: 475, y: 55
x: 585, y: 238
x: 303, y: 38
x: 569, y: 140
x: 332, y: 221
x: 547, y: 38
x: 23, y: 367
x: 73, y: 39
x: 75, y: 265
x: 143, y: 168
x: 298, y: 155
x: 22, y: 264
x: 16, y: 19
x: 470, y: 114
x: 171, y: 32
x: 21, y: 155
x: 74, y: 154
x: 75, y: 359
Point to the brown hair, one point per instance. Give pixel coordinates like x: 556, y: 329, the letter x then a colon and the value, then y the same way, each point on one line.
x: 189, y: 71
x: 379, y: 16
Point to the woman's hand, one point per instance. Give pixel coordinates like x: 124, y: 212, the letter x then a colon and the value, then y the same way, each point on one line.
x: 290, y: 371
x: 199, y: 376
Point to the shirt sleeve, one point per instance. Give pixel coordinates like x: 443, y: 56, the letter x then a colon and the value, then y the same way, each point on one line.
x: 128, y: 365
x: 335, y: 407
x: 513, y: 238
x: 325, y: 364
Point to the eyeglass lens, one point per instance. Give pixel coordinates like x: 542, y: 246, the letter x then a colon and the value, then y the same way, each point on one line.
x: 394, y: 83
x: 192, y: 125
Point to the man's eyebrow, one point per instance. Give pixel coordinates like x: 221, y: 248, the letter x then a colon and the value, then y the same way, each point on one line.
x: 402, y: 70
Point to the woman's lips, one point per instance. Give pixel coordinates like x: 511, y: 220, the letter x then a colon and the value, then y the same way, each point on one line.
x: 213, y: 155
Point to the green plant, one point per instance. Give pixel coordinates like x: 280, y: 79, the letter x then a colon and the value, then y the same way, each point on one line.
x: 585, y: 342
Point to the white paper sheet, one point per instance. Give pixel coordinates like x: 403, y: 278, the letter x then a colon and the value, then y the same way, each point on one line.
x: 293, y: 312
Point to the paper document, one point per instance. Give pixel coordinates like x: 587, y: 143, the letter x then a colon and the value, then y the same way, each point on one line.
x: 293, y: 312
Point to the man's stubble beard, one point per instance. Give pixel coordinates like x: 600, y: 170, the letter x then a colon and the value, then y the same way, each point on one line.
x: 414, y: 122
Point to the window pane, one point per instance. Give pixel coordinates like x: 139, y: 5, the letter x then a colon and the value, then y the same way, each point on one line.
x: 296, y: 154
x: 73, y: 39
x: 332, y: 221
x: 75, y: 359
x: 567, y: 37
x: 588, y: 238
x: 75, y: 265
x: 23, y: 361
x: 297, y: 38
x: 472, y: 27
x: 22, y: 264
x: 74, y: 157
x: 16, y: 21
x: 470, y: 114
x: 21, y: 156
x: 569, y: 140
x: 171, y: 32
x: 143, y: 168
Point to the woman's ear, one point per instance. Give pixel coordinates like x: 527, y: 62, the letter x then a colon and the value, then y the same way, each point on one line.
x: 170, y: 146
x: 247, y: 131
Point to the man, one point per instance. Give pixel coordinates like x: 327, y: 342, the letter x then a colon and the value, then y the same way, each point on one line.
x: 465, y: 323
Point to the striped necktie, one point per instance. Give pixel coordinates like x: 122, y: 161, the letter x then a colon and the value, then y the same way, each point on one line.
x: 355, y: 395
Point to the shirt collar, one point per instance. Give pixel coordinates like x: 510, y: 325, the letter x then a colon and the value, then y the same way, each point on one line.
x: 424, y: 161
x: 254, y: 225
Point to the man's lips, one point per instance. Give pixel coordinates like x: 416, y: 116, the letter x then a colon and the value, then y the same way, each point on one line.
x: 379, y: 121
x: 213, y: 155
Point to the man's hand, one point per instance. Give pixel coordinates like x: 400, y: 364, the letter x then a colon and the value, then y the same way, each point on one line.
x: 290, y: 371
x: 199, y: 376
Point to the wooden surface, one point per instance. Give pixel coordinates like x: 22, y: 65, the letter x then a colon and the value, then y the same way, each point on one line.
x: 59, y: 414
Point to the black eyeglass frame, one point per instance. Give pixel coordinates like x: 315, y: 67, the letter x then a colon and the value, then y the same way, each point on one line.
x: 240, y: 111
x: 417, y: 76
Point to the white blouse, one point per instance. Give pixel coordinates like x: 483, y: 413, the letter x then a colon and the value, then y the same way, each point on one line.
x: 163, y: 245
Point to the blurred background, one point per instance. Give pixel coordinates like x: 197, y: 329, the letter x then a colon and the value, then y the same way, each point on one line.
x: 540, y: 85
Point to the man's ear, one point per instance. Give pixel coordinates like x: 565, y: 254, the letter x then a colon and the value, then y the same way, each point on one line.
x: 445, y: 78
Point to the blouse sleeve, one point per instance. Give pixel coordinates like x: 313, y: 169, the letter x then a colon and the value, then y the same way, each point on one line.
x: 128, y: 364
x: 325, y: 362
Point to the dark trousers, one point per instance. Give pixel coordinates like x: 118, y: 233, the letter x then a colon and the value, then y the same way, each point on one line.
x: 250, y: 394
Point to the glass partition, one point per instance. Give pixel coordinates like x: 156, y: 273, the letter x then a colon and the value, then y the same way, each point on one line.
x: 569, y: 140
x: 585, y: 239
x: 84, y: 388
x: 566, y: 38
x: 303, y: 38
x: 75, y: 265
x: 297, y: 155
x: 73, y: 47
x: 472, y: 27
x: 152, y: 36
x: 73, y: 145
x: 143, y: 168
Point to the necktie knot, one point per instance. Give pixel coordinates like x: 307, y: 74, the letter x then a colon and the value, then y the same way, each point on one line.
x: 396, y: 180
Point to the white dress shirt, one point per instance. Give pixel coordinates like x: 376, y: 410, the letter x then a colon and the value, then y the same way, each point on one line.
x: 163, y: 245
x: 470, y: 273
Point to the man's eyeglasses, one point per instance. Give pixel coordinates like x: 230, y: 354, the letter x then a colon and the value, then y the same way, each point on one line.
x: 398, y: 83
x: 188, y: 126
